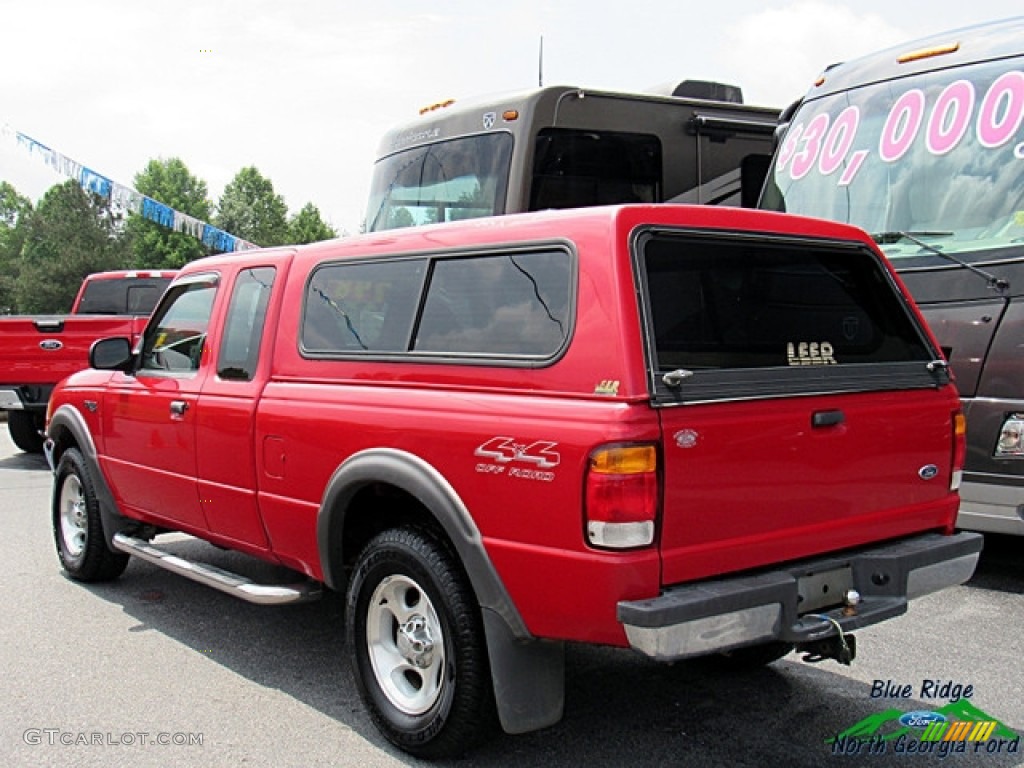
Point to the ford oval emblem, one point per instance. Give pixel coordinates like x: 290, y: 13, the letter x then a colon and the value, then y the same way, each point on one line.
x: 51, y: 345
x: 686, y: 438
x: 928, y: 471
x: 921, y: 718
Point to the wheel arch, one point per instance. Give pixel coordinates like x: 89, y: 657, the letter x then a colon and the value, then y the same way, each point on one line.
x: 411, y: 475
x: 527, y: 673
x: 68, y: 429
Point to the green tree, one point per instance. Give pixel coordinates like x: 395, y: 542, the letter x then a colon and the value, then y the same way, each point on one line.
x: 250, y: 209
x: 155, y: 246
x: 14, y: 212
x: 308, y: 227
x: 398, y: 218
x: 70, y: 234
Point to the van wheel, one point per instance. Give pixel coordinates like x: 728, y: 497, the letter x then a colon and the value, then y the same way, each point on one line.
x: 26, y: 430
x: 418, y: 645
x: 77, y: 526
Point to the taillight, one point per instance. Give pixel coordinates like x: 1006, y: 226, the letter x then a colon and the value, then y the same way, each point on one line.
x: 959, y: 448
x: 622, y: 496
x: 1011, y: 437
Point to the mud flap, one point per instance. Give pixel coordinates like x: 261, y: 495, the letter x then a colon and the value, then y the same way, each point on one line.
x: 528, y: 677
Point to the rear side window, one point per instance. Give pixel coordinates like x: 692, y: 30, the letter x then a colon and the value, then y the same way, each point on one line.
x: 363, y: 307
x: 122, y: 296
x: 728, y: 304
x: 508, y: 304
x: 504, y: 305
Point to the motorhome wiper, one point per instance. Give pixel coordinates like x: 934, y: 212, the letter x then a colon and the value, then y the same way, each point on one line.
x: 999, y: 284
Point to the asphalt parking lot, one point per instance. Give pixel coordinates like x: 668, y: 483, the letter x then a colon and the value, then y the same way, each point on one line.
x: 154, y: 670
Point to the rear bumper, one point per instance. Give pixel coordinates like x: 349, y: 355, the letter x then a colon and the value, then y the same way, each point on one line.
x: 10, y: 399
x: 707, y: 617
x: 24, y: 397
x: 992, y: 507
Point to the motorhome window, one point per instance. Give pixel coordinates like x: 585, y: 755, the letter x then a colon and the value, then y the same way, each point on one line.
x: 361, y: 307
x: 514, y: 304
x: 461, y: 178
x: 580, y: 168
x: 935, y: 155
x: 717, y: 303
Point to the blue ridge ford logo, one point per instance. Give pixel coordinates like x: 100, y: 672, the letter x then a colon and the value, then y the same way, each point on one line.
x: 51, y: 345
x: 928, y: 471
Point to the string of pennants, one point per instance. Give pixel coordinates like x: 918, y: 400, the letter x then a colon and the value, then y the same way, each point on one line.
x: 127, y: 199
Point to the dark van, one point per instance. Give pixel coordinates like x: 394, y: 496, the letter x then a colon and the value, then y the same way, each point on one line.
x: 923, y: 146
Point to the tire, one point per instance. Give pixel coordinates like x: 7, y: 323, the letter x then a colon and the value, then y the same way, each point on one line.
x: 26, y: 430
x: 77, y: 526
x: 420, y: 658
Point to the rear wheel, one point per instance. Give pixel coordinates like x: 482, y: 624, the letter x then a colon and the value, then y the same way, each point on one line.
x: 418, y: 645
x: 77, y: 526
x: 26, y: 428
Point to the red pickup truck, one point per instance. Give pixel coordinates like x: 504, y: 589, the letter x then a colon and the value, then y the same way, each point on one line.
x: 689, y: 431
x: 37, y: 352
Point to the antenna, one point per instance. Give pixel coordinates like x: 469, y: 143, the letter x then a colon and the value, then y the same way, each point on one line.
x: 540, y: 64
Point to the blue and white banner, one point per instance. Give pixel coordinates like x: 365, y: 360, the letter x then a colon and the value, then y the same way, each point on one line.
x: 127, y: 199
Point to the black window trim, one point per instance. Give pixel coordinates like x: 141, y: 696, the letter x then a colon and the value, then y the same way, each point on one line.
x: 503, y: 360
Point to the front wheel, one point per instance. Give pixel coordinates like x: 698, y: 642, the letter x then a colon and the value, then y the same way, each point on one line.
x: 418, y: 645
x: 77, y: 526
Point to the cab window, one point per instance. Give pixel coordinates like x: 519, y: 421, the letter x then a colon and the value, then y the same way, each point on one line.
x: 176, y: 335
x: 243, y: 329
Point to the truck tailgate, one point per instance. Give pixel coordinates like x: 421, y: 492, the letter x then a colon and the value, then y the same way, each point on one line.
x: 758, y: 482
x: 43, y: 350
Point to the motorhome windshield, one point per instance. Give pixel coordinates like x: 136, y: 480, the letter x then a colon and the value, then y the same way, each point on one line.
x: 937, y: 156
x: 459, y: 179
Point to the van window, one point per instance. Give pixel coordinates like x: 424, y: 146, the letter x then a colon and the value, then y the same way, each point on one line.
x: 936, y: 155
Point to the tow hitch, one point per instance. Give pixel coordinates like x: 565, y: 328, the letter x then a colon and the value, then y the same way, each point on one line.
x: 841, y: 646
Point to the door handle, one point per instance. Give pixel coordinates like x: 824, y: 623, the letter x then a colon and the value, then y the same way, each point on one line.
x: 827, y: 418
x: 178, y: 407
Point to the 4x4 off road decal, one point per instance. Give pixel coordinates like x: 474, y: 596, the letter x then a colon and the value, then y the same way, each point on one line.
x: 506, y: 452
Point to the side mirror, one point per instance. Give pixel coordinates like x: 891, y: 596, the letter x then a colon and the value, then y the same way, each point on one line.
x: 111, y: 355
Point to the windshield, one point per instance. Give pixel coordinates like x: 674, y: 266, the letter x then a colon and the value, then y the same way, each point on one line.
x: 937, y: 156
x: 459, y: 179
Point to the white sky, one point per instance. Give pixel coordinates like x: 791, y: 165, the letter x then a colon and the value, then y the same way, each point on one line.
x: 304, y: 89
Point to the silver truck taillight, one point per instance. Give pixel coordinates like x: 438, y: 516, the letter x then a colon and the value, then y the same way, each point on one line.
x: 1011, y: 436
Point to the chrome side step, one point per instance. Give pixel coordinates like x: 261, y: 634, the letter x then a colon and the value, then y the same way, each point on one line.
x: 218, y: 578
